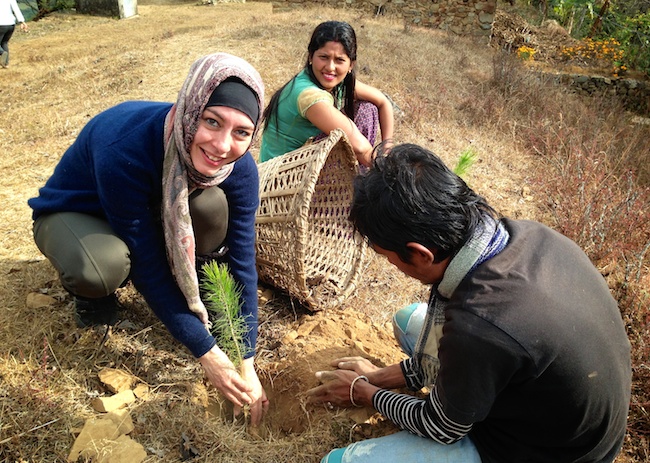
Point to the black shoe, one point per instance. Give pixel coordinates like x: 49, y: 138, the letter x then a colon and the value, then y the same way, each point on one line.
x: 93, y: 312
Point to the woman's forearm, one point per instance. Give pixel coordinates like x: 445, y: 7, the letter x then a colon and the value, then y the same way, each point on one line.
x: 386, y: 120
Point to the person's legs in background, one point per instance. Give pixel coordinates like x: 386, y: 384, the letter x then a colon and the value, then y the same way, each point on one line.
x: 366, y: 118
x: 5, y: 35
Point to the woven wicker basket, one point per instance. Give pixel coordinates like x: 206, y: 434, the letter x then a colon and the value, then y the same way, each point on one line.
x: 306, y: 245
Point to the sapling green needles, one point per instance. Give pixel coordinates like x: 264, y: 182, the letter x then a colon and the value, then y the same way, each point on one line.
x: 465, y: 161
x: 222, y: 300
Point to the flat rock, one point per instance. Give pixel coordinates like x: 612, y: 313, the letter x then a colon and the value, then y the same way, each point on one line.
x: 141, y: 391
x: 38, y: 300
x: 115, y: 402
x: 122, y: 420
x: 101, y: 442
x: 95, y: 430
x: 116, y: 380
x: 122, y: 450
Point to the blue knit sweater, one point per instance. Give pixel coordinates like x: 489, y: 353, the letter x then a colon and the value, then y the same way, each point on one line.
x: 114, y: 170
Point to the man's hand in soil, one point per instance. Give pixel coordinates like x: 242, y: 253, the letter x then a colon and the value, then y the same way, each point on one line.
x: 359, y: 365
x: 334, y: 388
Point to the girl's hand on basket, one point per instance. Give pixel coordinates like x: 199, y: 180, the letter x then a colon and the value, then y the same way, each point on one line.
x: 224, y: 376
x: 260, y: 403
x: 359, y: 365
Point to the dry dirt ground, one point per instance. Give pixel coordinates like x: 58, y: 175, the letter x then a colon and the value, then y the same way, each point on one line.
x: 70, y: 67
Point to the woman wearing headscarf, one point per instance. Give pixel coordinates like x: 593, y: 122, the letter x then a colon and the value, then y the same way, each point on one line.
x: 150, y: 190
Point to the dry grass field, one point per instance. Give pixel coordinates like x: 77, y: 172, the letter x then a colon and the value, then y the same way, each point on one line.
x: 70, y: 67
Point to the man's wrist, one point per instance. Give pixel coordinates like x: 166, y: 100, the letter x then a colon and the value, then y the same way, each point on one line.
x: 352, y: 384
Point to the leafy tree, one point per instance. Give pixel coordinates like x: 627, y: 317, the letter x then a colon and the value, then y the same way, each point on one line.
x: 633, y: 33
x: 575, y: 15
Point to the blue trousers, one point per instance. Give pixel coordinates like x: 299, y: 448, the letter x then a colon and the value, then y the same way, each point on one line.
x: 404, y: 447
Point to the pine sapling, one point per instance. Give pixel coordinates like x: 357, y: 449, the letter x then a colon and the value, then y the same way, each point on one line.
x: 465, y: 161
x: 222, y: 299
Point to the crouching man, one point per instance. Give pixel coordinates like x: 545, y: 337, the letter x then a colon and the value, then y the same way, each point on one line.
x: 521, y: 344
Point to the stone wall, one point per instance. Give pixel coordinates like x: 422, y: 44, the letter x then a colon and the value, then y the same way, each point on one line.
x: 462, y: 17
x: 634, y: 94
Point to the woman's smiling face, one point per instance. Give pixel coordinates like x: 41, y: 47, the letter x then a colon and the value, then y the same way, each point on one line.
x: 223, y: 136
x: 330, y: 64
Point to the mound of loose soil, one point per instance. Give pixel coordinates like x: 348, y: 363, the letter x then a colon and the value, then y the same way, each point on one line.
x: 312, y: 344
x: 290, y: 355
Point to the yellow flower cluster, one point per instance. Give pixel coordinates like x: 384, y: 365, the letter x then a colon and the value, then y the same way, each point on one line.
x: 526, y: 53
x: 598, y: 53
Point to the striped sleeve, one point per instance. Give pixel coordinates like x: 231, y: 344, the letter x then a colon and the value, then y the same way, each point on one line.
x: 424, y: 417
x: 414, y: 379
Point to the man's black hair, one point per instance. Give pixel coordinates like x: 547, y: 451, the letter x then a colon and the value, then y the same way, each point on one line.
x: 410, y: 195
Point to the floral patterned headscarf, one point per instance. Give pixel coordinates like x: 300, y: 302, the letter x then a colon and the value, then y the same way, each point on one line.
x: 179, y: 175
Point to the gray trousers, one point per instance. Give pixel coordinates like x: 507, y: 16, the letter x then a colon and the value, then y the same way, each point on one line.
x: 92, y: 261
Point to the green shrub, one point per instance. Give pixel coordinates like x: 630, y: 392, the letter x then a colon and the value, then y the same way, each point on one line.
x: 633, y: 33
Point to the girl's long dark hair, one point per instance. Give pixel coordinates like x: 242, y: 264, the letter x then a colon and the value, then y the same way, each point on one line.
x: 328, y: 31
